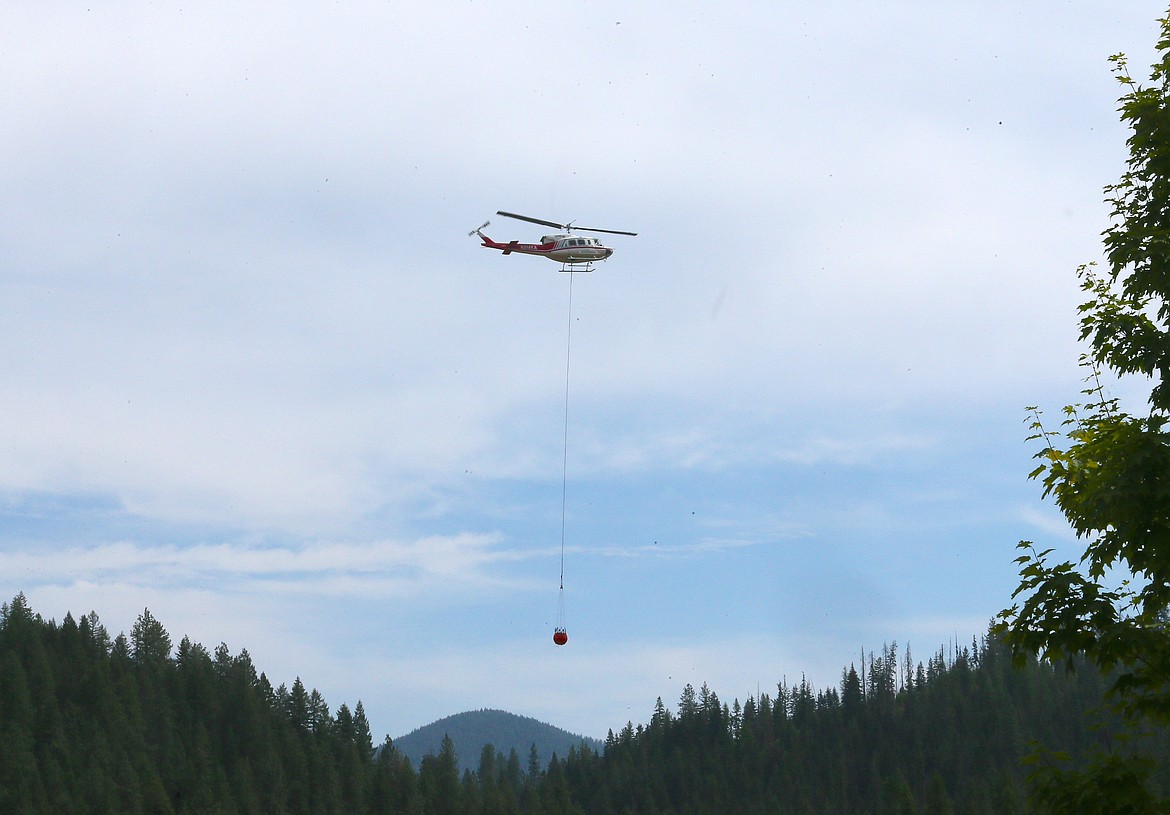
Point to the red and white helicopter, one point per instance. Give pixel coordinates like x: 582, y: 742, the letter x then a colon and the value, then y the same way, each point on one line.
x: 573, y: 252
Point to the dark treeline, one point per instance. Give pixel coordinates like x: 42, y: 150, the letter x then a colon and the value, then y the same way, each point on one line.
x: 897, y: 736
x: 94, y: 724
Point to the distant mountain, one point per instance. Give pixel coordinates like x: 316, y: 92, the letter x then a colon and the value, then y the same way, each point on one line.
x: 505, y: 731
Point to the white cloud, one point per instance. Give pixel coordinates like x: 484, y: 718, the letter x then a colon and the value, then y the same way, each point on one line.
x: 1047, y: 521
x: 386, y: 569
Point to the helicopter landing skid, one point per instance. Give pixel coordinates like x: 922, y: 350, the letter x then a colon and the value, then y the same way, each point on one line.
x: 577, y: 267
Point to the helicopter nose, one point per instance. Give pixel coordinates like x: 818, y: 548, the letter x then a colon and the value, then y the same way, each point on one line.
x: 608, y: 251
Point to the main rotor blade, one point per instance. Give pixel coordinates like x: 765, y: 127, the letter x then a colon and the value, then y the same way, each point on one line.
x: 568, y: 227
x: 531, y: 220
x: 607, y: 231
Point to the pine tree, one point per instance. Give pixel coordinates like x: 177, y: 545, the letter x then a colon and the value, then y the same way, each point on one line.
x: 150, y: 644
x: 362, y: 737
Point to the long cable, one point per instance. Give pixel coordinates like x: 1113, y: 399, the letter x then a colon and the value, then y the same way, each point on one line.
x: 565, y: 455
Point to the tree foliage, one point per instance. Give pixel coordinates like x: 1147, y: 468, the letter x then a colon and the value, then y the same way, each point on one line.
x: 86, y: 726
x: 90, y: 724
x: 1108, y: 471
x: 941, y: 737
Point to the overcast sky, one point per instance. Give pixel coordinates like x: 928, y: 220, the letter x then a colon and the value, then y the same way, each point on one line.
x: 255, y: 376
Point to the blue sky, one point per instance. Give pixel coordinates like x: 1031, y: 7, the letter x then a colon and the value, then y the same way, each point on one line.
x: 256, y: 378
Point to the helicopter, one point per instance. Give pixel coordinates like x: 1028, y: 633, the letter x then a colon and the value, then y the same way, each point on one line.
x: 574, y: 253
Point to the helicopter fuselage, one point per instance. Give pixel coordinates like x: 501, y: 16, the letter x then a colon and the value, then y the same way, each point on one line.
x: 573, y: 252
x: 559, y: 248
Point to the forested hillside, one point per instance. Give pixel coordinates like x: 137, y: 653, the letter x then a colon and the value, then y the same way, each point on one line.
x: 94, y: 724
x: 472, y: 730
x: 896, y: 737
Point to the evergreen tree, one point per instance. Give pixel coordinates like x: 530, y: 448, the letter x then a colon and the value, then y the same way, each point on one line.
x: 88, y: 728
x: 150, y: 644
x: 362, y: 737
x: 439, y: 782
